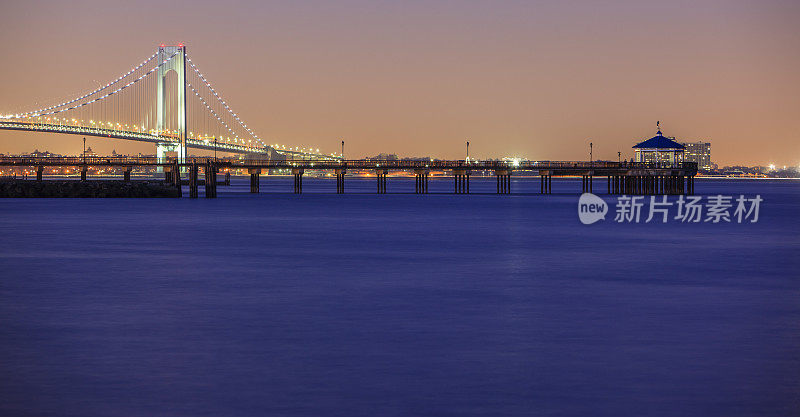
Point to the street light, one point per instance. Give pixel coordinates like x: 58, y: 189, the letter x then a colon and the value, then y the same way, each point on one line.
x: 590, y: 153
x: 342, y: 151
x: 467, y: 151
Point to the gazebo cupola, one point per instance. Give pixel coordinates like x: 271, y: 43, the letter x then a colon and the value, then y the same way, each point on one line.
x: 659, y: 149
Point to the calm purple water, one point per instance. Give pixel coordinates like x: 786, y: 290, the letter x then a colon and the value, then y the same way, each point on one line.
x: 396, y: 305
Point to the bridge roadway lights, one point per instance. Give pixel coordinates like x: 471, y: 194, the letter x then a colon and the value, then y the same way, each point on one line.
x: 461, y: 177
x: 340, y: 180
x: 421, y: 186
x: 381, y: 174
x: 298, y: 180
x: 254, y: 179
x: 503, y: 181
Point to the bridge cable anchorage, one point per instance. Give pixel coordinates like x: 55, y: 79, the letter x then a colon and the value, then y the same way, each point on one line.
x: 111, y: 84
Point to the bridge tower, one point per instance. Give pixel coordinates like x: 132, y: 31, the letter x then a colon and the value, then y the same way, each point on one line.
x: 177, y: 64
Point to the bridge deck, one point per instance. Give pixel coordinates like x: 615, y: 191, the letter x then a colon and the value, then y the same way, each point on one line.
x: 192, y: 143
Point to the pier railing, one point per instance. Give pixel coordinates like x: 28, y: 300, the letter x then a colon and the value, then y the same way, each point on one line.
x: 355, y: 164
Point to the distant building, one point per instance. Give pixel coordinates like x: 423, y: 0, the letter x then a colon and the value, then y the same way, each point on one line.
x: 699, y: 152
x: 384, y: 157
x: 659, y: 149
x: 41, y: 154
x: 89, y: 153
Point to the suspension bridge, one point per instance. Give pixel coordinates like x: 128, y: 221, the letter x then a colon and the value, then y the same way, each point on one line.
x: 164, y: 100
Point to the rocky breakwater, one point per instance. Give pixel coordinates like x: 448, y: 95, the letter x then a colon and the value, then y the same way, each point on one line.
x: 87, y: 189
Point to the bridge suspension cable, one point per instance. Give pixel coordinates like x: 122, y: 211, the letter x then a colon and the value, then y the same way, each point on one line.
x: 223, y: 102
x: 111, y: 84
x: 107, y: 94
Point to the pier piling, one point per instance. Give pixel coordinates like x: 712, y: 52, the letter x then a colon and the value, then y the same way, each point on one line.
x: 381, y: 176
x: 211, y: 180
x: 298, y: 180
x: 254, y: 179
x: 421, y: 185
x: 340, y: 181
x: 503, y: 181
x: 192, y: 180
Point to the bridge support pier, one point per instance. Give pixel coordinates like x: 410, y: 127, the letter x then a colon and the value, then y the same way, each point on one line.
x: 503, y: 181
x: 161, y: 154
x: 227, y: 178
x: 298, y: 180
x: 340, y: 180
x: 39, y: 171
x: 381, y: 174
x: 421, y: 186
x: 211, y: 180
x: 84, y: 168
x: 254, y: 179
x: 126, y: 173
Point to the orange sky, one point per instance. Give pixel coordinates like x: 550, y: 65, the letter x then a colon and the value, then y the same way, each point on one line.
x: 536, y: 79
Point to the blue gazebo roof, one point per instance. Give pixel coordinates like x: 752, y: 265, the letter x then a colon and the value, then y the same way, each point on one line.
x: 659, y: 142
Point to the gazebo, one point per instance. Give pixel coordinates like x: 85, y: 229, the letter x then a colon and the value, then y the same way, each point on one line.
x: 659, y: 149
